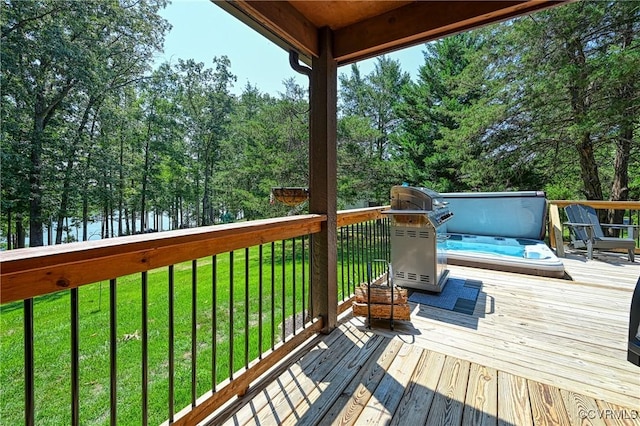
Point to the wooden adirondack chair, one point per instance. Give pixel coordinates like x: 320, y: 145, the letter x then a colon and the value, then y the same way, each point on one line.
x: 586, y: 231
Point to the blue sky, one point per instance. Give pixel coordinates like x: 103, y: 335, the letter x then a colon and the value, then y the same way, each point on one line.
x: 202, y: 30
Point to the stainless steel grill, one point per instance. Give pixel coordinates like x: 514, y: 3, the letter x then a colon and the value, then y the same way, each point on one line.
x: 418, y: 256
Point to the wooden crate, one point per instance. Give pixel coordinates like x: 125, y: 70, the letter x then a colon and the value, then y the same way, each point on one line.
x: 401, y: 312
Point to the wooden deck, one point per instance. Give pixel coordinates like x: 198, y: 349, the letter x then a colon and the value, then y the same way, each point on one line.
x: 535, y: 351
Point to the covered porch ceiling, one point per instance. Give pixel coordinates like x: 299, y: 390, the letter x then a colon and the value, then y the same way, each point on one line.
x: 364, y: 29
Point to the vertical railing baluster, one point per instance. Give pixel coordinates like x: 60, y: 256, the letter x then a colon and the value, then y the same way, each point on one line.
x: 113, y: 353
x: 342, y: 260
x: 363, y: 249
x: 214, y: 322
x: 29, y: 394
x: 369, y: 243
x: 381, y: 249
x: 388, y: 236
x: 194, y: 326
x: 231, y: 308
x: 171, y: 343
x: 246, y: 307
x: 372, y: 234
x: 385, y: 238
x: 354, y: 243
x: 304, y: 282
x: 284, y: 312
x: 145, y: 349
x: 75, y: 358
x: 372, y: 248
x: 312, y: 313
x: 293, y: 284
x: 349, y: 257
x: 260, y: 296
x: 359, y: 249
x: 376, y: 243
x: 273, y: 295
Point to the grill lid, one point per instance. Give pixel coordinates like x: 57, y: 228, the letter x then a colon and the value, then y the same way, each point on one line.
x: 408, y: 201
x: 414, y: 198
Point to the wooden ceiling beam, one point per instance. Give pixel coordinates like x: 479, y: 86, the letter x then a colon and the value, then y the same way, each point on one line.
x: 423, y: 21
x: 279, y: 22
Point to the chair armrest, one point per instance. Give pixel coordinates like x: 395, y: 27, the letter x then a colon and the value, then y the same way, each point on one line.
x: 580, y: 225
x: 588, y: 227
x: 631, y: 229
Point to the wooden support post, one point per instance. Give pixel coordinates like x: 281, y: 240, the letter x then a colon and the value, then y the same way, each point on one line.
x: 555, y: 230
x: 323, y: 180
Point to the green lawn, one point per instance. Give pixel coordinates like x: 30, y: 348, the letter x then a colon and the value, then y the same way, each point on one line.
x: 53, y: 337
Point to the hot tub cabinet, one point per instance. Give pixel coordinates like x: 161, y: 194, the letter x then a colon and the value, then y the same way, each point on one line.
x: 502, y: 231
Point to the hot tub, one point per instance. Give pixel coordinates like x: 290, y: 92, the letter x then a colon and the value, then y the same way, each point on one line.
x: 500, y: 230
x: 522, y: 255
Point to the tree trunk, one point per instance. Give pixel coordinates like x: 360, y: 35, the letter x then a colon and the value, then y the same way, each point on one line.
x: 85, y: 214
x: 133, y: 221
x: 42, y: 115
x: 105, y: 210
x: 35, y: 200
x: 627, y: 97
x: 126, y: 221
x: 111, y: 213
x: 64, y: 202
x: 85, y: 204
x: 206, y: 202
x: 20, y: 234
x: 197, y: 197
x: 620, y: 187
x: 589, y: 169
x: 121, y: 185
x: 580, y: 106
x: 9, y: 233
x: 145, y: 172
x: 71, y: 158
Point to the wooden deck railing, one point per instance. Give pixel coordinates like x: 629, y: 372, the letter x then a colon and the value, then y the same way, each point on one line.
x: 254, y: 318
x: 631, y: 210
x: 280, y: 247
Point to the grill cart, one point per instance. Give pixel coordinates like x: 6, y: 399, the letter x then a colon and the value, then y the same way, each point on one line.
x: 418, y: 256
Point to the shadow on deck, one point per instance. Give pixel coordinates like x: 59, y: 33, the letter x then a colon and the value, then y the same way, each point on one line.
x: 542, y: 351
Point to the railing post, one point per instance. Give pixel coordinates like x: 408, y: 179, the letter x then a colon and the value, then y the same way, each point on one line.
x: 322, y: 180
x: 555, y: 230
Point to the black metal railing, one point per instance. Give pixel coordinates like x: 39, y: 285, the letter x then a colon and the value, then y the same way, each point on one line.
x: 177, y: 334
x: 182, y: 338
x: 359, y: 245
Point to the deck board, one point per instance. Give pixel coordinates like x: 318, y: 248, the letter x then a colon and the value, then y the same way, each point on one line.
x: 547, y: 405
x: 481, y: 407
x: 416, y: 403
x: 514, y: 407
x: 448, y: 403
x: 536, y: 351
x: 578, y: 405
x: 386, y: 397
